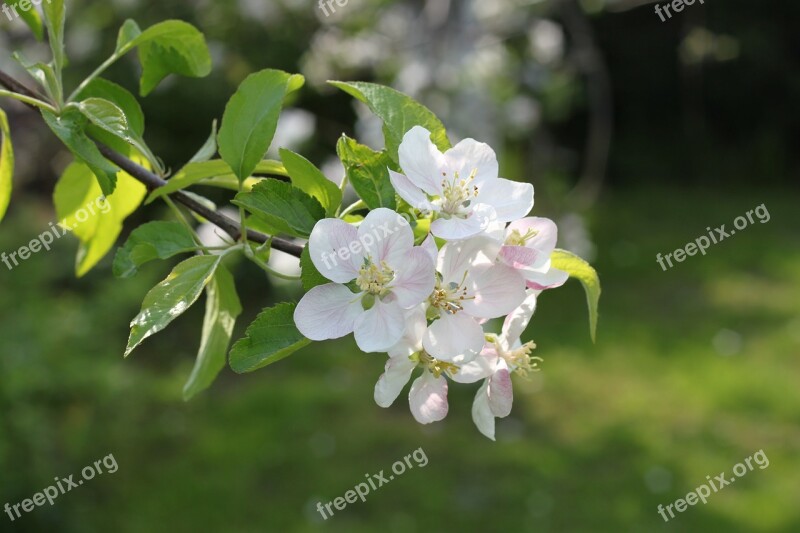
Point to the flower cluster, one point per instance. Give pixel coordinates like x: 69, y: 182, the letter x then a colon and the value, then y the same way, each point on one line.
x: 426, y: 304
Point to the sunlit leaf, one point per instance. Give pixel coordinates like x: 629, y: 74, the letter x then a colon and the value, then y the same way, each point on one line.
x: 271, y: 337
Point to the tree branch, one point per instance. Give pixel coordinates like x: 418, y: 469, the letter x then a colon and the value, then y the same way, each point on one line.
x: 152, y: 182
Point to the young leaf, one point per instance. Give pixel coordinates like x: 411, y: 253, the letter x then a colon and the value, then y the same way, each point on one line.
x: 6, y: 164
x: 169, y: 299
x: 251, y: 118
x: 309, y: 274
x: 70, y: 128
x: 208, y: 150
x: 271, y: 337
x: 30, y: 16
x: 222, y: 309
x: 284, y: 207
x: 95, y: 220
x: 398, y: 111
x: 151, y: 241
x: 308, y: 178
x: 582, y: 271
x: 54, y: 17
x: 368, y: 173
x: 44, y: 74
x: 119, y: 96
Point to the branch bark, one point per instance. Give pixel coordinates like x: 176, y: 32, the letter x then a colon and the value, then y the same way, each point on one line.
x: 153, y: 181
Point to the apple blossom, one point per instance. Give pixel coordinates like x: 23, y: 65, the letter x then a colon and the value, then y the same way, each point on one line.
x: 528, y: 244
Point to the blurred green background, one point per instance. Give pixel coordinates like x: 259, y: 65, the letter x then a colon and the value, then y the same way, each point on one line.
x: 637, y: 135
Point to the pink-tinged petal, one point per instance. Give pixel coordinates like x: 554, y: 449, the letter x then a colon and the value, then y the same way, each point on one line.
x: 421, y: 161
x: 451, y: 336
x: 380, y: 327
x: 510, y: 199
x: 331, y: 246
x: 386, y: 236
x: 497, y: 290
x: 457, y: 228
x: 409, y: 192
x: 472, y: 156
x: 500, y: 391
x: 552, y: 279
x: 546, y: 233
x: 414, y: 282
x: 518, y: 319
x: 521, y: 257
x: 327, y: 312
x: 429, y: 245
x: 479, y: 368
x: 415, y: 326
x: 390, y: 384
x: 482, y: 413
x: 456, y: 258
x: 428, y: 398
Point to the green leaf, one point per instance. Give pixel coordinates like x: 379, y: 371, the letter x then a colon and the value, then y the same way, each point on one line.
x: 222, y: 309
x: 94, y: 219
x: 310, y: 276
x: 271, y: 337
x: 169, y: 47
x: 70, y: 128
x: 54, y: 17
x: 284, y: 207
x: 31, y: 18
x: 581, y: 270
x: 119, y: 96
x: 44, y: 74
x: 308, y: 178
x: 251, y: 118
x: 368, y: 173
x: 194, y: 173
x: 169, y: 299
x: 398, y: 112
x: 6, y: 164
x: 208, y: 150
x: 151, y: 241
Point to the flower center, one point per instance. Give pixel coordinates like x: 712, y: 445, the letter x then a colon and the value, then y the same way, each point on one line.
x: 373, y: 279
x: 449, y: 298
x: 433, y: 365
x: 518, y: 239
x: 457, y: 194
x: 520, y: 360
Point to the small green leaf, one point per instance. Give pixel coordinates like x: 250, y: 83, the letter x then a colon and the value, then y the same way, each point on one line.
x: 54, y: 17
x: 368, y: 172
x: 251, y: 118
x: 222, y: 309
x: 31, y: 18
x: 581, y: 270
x: 151, y: 241
x: 70, y: 128
x: 43, y: 74
x: 218, y: 170
x: 208, y: 150
x: 399, y: 113
x: 127, y: 34
x: 169, y: 299
x: 308, y: 178
x: 271, y: 337
x: 6, y: 164
x: 284, y: 207
x: 94, y: 219
x: 119, y: 96
x: 309, y: 274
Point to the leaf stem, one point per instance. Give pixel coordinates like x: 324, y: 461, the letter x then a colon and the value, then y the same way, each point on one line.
x: 29, y: 100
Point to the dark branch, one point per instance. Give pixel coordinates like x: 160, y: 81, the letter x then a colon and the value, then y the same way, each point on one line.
x: 152, y: 182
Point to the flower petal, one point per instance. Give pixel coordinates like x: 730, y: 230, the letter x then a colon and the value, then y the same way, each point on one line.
x: 386, y: 236
x: 428, y: 398
x: 457, y: 228
x: 497, y: 290
x: 451, y: 336
x: 414, y: 282
x: 521, y: 257
x: 421, y: 161
x: 380, y: 327
x: 482, y: 413
x: 472, y: 156
x: 479, y: 368
x: 546, y: 233
x: 456, y: 258
x: 429, y: 245
x: 390, y: 384
x: 411, y: 341
x: 500, y: 391
x: 510, y: 199
x: 518, y: 319
x: 327, y: 312
x: 409, y: 192
x: 552, y: 279
x: 330, y: 246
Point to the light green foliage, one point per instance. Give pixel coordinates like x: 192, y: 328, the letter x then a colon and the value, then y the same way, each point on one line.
x: 271, y: 337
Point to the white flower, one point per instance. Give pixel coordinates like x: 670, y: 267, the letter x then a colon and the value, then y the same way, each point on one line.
x: 470, y: 288
x: 461, y: 187
x: 528, y: 244
x: 390, y: 272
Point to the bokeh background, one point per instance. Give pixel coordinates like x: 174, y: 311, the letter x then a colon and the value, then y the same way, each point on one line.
x: 637, y: 135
